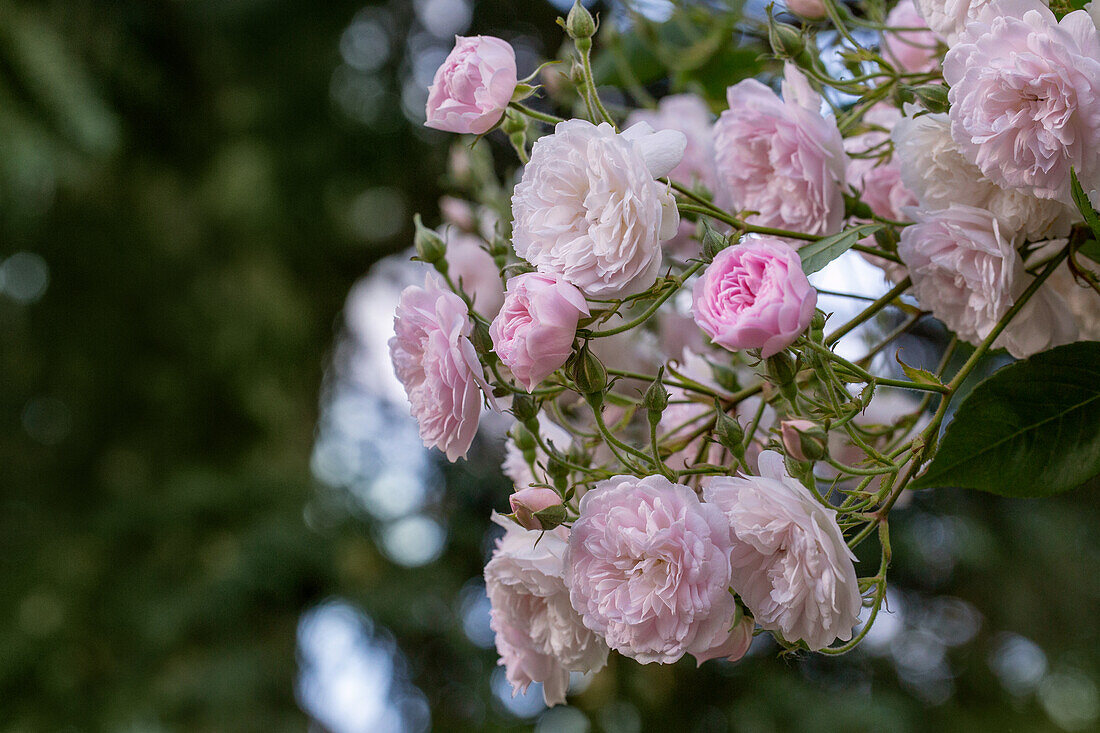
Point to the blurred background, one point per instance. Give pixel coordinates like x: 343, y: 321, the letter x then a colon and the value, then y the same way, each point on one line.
x: 215, y: 514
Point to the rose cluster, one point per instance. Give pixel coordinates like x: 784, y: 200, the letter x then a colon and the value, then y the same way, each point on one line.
x: 694, y: 462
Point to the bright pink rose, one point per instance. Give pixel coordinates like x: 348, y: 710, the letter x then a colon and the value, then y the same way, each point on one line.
x: 690, y: 115
x: 648, y: 569
x: 910, y: 51
x: 528, y: 502
x: 754, y: 296
x: 780, y: 157
x: 1025, y: 96
x: 472, y: 88
x: 533, y: 333
x: 435, y: 361
x: 539, y: 637
x: 470, y: 266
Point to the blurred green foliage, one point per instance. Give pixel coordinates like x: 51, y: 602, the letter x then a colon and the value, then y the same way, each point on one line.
x: 201, y: 206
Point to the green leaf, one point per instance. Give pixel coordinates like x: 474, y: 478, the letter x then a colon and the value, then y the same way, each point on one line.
x: 1081, y: 198
x: 920, y: 376
x: 816, y: 255
x: 1030, y: 430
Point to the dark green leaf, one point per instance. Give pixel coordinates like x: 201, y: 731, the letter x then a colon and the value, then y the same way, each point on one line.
x: 1032, y: 429
x: 1081, y: 198
x: 816, y: 255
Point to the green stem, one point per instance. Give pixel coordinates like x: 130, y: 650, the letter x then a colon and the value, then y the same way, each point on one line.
x: 535, y: 114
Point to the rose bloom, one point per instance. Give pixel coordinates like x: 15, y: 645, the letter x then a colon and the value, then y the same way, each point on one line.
x: 780, y: 157
x: 910, y: 51
x: 791, y: 565
x: 435, y: 361
x: 475, y: 271
x: 539, y: 637
x: 534, y: 330
x: 949, y: 18
x: 472, y: 88
x: 689, y: 114
x: 932, y: 167
x: 648, y: 569
x: 754, y: 296
x: 1025, y: 96
x: 588, y: 207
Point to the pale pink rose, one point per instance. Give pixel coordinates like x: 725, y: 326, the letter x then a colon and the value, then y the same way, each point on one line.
x: 911, y: 51
x: 472, y: 88
x: 812, y: 9
x: 539, y: 637
x: 754, y: 296
x: 435, y: 361
x: 533, y: 333
x: 966, y: 270
x: 648, y: 569
x: 588, y: 207
x: 791, y: 565
x: 936, y: 172
x: 473, y: 269
x: 689, y: 114
x: 1025, y: 96
x: 963, y: 266
x: 526, y: 503
x: 781, y: 157
x: 949, y: 18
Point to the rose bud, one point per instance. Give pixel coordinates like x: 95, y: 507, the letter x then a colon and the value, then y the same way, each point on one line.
x: 804, y: 440
x: 537, y: 508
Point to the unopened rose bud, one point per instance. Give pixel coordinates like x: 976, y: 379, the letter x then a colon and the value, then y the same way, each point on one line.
x: 523, y: 438
x: 580, y: 24
x: 537, y: 508
x: 817, y: 327
x: 804, y: 440
x: 786, y: 41
x: 713, y: 242
x: 483, y: 343
x: 588, y: 372
x: 932, y: 96
x: 558, y: 472
x: 524, y: 408
x: 728, y: 432
x: 655, y: 399
x: 781, y: 372
x: 430, y: 247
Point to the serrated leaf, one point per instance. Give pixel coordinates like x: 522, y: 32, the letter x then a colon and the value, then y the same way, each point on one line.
x: 1030, y: 430
x: 920, y: 376
x: 1081, y: 198
x: 816, y: 255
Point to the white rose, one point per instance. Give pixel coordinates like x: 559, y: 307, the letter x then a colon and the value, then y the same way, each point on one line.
x: 791, y: 565
x: 948, y: 18
x: 588, y: 207
x: 937, y: 173
x: 539, y: 637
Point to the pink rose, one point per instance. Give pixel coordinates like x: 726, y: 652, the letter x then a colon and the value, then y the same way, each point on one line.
x: 1025, y: 96
x: 754, y: 296
x: 526, y: 503
x: 910, y: 51
x: 539, y: 637
x: 780, y: 157
x: 648, y: 569
x: 474, y: 269
x: 472, y: 88
x: 435, y: 361
x: 588, y: 208
x: 533, y: 333
x: 791, y: 565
